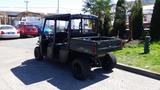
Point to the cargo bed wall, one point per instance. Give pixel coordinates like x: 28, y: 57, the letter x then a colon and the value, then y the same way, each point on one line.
x: 81, y: 46
x: 95, y: 45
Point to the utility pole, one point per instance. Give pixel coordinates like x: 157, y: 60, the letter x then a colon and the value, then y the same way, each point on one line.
x: 57, y: 6
x: 58, y: 23
x: 26, y: 1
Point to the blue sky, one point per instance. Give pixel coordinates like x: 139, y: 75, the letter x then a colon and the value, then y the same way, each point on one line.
x: 66, y: 6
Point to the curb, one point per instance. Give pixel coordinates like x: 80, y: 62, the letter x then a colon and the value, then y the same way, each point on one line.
x: 138, y: 71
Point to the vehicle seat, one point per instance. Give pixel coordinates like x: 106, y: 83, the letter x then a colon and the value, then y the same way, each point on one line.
x: 61, y: 37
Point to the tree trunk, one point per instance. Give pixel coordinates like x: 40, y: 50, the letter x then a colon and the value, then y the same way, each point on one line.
x: 130, y: 35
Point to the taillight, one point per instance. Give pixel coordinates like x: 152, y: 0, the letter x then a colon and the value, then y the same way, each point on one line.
x: 34, y: 29
x: 94, y: 48
x: 2, y: 32
x: 18, y: 31
x: 21, y: 30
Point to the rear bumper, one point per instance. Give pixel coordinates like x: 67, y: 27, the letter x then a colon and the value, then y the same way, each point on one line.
x: 30, y: 34
x: 10, y: 36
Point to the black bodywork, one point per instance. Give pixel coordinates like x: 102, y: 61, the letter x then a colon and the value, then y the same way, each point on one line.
x: 83, y: 47
x: 63, y: 39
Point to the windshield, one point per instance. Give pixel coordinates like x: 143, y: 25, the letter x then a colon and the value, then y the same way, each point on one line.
x: 30, y: 26
x: 84, y: 25
x: 49, y: 27
x: 25, y: 26
x: 61, y: 26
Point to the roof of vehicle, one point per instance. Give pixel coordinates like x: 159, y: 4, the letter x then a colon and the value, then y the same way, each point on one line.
x: 70, y: 16
x: 6, y: 25
x: 25, y: 25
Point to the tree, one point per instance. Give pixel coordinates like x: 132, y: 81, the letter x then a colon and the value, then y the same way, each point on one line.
x: 155, y: 23
x: 119, y: 25
x: 106, y: 25
x: 100, y: 8
x: 129, y: 6
x: 130, y: 35
x: 136, y: 20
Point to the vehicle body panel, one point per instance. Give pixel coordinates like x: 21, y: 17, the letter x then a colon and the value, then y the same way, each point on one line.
x: 95, y: 45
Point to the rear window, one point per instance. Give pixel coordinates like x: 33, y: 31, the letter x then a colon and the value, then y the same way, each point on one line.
x: 6, y: 27
x: 30, y: 26
x: 25, y: 26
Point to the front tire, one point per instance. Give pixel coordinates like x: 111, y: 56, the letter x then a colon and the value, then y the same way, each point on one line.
x: 108, y: 62
x: 37, y: 54
x: 81, y: 69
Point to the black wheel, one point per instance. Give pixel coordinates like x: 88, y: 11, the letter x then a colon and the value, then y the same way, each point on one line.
x: 80, y: 69
x: 37, y: 54
x: 108, y: 62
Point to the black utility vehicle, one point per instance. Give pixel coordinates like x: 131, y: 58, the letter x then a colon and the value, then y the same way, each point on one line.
x: 73, y: 39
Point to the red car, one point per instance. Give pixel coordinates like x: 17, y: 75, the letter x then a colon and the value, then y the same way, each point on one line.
x: 27, y: 30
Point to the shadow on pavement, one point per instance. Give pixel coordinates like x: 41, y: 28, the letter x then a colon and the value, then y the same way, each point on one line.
x: 7, y: 39
x: 32, y: 71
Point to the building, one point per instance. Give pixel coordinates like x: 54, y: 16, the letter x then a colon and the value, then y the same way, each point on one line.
x: 8, y: 17
x: 14, y: 18
x: 148, y: 6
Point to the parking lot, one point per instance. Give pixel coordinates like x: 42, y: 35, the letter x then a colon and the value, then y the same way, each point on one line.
x: 19, y: 71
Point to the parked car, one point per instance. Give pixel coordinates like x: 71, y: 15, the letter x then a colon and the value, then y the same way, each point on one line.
x: 27, y: 30
x: 9, y: 31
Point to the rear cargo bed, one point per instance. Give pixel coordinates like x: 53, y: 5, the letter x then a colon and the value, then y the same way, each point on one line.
x: 95, y: 45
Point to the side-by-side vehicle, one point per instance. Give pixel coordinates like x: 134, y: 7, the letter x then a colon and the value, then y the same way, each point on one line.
x: 74, y: 39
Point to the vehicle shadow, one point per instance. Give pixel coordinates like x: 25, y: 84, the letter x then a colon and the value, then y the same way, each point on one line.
x: 32, y: 71
x: 27, y: 37
x: 7, y: 39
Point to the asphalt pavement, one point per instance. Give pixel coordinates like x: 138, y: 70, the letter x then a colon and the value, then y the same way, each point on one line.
x: 19, y: 71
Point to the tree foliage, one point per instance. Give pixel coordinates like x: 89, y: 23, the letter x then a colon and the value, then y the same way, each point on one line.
x: 119, y: 25
x: 100, y: 8
x: 136, y: 20
x: 155, y: 23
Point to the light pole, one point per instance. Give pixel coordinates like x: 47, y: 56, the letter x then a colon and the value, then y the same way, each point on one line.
x: 57, y: 6
x: 58, y: 12
x: 26, y: 1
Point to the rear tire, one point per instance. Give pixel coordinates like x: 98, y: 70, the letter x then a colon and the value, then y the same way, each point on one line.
x: 81, y: 69
x: 108, y: 62
x: 37, y: 54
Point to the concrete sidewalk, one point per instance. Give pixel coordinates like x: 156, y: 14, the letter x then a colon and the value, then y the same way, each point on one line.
x: 140, y: 71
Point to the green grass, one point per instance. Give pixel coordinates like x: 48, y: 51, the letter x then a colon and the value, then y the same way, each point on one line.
x: 133, y: 55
